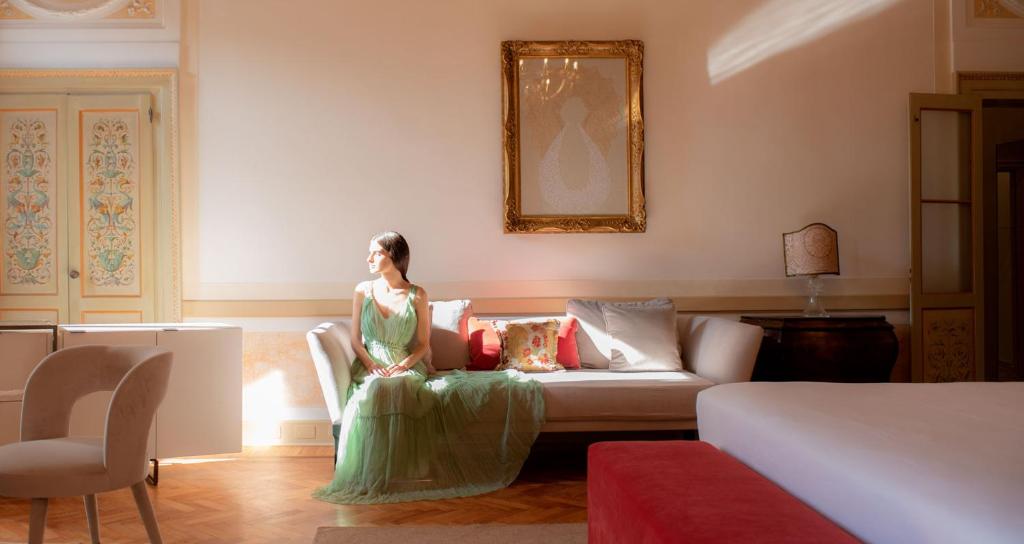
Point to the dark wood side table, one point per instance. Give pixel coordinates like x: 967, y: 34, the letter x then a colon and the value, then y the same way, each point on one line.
x: 824, y: 349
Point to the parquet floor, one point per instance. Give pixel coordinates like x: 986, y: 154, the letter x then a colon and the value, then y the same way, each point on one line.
x: 264, y: 497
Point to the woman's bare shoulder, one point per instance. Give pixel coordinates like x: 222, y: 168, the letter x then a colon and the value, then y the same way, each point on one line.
x: 363, y: 288
x: 421, y: 294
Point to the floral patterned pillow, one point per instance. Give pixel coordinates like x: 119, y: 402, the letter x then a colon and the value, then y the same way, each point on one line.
x: 531, y: 347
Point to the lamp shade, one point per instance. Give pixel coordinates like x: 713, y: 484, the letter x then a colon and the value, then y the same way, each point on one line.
x: 811, y: 251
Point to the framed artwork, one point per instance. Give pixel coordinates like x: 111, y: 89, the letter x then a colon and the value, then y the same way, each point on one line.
x: 572, y: 113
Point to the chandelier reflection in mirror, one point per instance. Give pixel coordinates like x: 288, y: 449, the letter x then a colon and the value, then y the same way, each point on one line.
x: 555, y: 77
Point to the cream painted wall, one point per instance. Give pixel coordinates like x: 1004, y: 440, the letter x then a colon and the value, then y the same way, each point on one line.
x: 321, y: 123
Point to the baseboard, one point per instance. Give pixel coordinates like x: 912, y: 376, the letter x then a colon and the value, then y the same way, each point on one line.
x: 292, y: 432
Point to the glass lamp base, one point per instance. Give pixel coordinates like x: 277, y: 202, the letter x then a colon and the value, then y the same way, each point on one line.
x: 814, y: 289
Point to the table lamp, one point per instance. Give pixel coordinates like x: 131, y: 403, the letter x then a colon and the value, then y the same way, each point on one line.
x: 811, y: 252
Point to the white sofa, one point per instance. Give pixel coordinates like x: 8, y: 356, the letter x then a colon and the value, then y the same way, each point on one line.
x: 714, y: 350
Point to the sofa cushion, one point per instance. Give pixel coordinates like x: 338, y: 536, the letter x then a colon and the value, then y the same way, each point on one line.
x: 592, y: 340
x: 531, y: 346
x: 485, y: 341
x: 484, y: 345
x: 449, y: 333
x: 644, y: 338
x: 603, y: 395
x: 568, y: 352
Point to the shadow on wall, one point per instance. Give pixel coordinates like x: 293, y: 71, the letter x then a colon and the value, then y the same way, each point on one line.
x: 781, y: 25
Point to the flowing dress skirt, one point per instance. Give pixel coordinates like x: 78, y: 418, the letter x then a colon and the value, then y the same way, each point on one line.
x: 408, y: 438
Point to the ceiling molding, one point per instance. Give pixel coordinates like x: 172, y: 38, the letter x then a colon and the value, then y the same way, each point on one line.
x: 79, y: 13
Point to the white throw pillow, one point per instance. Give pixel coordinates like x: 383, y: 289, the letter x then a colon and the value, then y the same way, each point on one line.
x: 642, y: 338
x: 592, y: 339
x: 590, y: 333
x: 449, y: 333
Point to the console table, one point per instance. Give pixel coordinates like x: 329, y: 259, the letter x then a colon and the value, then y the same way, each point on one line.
x: 824, y: 349
x: 202, y: 411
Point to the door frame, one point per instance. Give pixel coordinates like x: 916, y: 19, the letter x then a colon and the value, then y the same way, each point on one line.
x: 990, y: 86
x: 958, y: 338
x: 162, y: 85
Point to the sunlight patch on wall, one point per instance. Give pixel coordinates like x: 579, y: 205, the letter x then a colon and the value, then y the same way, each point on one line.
x: 263, y: 409
x: 781, y: 25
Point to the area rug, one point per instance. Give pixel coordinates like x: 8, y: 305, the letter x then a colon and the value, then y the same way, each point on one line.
x: 571, y: 533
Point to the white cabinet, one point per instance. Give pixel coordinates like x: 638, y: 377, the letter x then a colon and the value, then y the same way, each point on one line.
x: 202, y: 412
x: 20, y: 352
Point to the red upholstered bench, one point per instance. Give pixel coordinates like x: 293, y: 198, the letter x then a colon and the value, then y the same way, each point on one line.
x: 684, y: 491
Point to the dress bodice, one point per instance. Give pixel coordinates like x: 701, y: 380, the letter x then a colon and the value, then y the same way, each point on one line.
x: 387, y: 338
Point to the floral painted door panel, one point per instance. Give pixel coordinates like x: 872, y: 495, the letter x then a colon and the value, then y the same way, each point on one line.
x: 32, y: 224
x: 111, y: 209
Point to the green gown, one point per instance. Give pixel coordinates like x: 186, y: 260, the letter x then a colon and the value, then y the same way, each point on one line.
x: 410, y: 437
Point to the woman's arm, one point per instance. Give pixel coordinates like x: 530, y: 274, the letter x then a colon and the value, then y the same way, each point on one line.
x: 422, y: 306
x: 357, y: 333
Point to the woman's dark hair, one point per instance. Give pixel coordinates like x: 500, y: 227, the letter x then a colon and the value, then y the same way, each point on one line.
x: 397, y: 248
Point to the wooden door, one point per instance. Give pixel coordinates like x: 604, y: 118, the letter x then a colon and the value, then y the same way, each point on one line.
x: 947, y: 280
x: 78, y: 212
x: 33, y: 222
x: 110, y: 210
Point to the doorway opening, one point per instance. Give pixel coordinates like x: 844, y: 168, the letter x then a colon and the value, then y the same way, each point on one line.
x: 1004, y: 167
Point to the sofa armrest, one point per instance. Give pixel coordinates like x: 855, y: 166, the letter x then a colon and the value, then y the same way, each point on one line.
x: 720, y: 349
x: 331, y: 348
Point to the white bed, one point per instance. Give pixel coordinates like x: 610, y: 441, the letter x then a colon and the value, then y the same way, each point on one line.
x: 900, y: 463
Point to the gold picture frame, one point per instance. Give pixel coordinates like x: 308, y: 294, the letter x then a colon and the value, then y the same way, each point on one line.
x: 573, y: 134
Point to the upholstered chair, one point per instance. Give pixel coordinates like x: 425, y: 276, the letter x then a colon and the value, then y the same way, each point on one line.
x: 49, y: 463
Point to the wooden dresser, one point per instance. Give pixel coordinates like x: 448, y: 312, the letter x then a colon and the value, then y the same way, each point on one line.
x: 825, y: 349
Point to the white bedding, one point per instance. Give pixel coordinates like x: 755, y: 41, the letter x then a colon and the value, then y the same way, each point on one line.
x: 901, y: 463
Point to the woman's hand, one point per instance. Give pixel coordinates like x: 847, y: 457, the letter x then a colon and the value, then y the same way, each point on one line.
x: 395, y: 370
x: 379, y: 370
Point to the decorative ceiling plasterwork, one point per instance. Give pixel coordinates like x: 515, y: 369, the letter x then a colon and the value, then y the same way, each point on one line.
x: 52, y: 12
x: 999, y: 9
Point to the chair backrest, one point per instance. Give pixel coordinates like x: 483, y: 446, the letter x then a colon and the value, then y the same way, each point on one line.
x: 130, y: 415
x: 331, y: 348
x: 137, y: 375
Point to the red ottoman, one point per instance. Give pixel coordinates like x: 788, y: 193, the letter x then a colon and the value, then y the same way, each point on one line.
x: 684, y: 491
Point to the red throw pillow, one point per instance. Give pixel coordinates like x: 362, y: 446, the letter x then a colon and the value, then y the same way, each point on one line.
x: 568, y: 355
x: 485, y: 345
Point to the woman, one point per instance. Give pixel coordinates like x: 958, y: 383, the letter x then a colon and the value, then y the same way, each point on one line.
x: 405, y: 437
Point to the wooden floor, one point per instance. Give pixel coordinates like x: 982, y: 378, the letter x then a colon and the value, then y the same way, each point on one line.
x: 263, y: 496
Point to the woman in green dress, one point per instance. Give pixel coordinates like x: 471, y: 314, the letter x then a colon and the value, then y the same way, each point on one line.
x: 407, y: 437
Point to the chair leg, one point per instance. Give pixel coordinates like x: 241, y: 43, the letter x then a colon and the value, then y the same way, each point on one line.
x: 146, y: 511
x: 93, y: 518
x: 37, y: 521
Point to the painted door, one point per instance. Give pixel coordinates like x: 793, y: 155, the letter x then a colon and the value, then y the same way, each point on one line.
x: 77, y: 215
x: 947, y: 289
x: 33, y: 253
x: 110, y: 210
